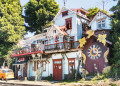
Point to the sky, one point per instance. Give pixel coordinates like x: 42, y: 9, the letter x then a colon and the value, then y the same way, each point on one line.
x: 86, y: 4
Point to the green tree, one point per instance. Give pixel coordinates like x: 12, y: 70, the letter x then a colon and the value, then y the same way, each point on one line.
x: 116, y: 10
x: 12, y: 26
x: 93, y: 12
x: 39, y: 13
x: 115, y: 39
x: 115, y: 32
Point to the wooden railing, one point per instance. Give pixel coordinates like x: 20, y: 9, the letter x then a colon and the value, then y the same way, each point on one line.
x: 25, y: 50
x: 62, y: 45
x: 55, y: 46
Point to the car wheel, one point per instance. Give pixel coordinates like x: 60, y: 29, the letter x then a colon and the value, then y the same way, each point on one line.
x: 2, y: 78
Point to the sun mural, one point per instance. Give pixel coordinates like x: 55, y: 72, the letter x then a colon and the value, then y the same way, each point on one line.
x: 102, y: 38
x: 82, y: 42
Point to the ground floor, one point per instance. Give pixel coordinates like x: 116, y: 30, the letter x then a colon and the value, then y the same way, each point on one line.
x: 58, y: 65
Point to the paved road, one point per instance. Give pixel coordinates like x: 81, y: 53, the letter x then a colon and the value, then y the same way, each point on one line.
x: 9, y: 85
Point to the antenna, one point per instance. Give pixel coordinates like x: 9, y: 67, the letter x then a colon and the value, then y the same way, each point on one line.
x: 103, y: 4
x: 64, y: 2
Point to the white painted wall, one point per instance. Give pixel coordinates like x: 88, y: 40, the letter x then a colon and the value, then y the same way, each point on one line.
x: 49, y: 66
x: 32, y: 72
x: 60, y: 21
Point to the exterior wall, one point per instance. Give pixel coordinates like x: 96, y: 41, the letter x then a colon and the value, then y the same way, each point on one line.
x: 108, y: 21
x: 32, y: 72
x: 49, y: 66
x: 94, y: 25
x: 60, y: 21
x: 48, y: 69
x: 79, y: 28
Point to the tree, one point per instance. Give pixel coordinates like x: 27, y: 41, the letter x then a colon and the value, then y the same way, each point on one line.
x: 11, y: 25
x: 116, y: 10
x: 115, y: 32
x: 39, y: 13
x: 115, y: 39
x: 94, y: 11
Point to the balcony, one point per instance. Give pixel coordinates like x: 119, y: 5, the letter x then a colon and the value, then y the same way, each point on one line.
x: 49, y: 47
x: 62, y: 45
x: 26, y: 51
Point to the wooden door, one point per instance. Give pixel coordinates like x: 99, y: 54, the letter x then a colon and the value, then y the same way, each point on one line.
x: 95, y: 67
x: 57, y: 69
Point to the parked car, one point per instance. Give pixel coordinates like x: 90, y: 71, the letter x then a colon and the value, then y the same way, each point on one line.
x: 6, y: 74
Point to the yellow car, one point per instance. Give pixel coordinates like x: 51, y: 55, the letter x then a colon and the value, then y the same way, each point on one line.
x: 6, y: 74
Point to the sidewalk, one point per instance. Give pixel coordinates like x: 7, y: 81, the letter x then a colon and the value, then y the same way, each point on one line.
x: 29, y: 83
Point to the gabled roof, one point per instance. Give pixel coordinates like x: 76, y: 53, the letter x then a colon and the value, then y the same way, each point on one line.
x: 57, y: 28
x: 82, y: 9
x: 68, y: 10
x: 96, y: 16
x: 36, y: 37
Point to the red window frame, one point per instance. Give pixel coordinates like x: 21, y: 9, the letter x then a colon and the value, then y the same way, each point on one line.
x: 46, y: 42
x: 71, y: 59
x: 68, y: 23
x: 65, y: 13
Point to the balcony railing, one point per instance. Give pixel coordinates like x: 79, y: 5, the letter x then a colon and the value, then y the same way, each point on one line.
x: 55, y: 46
x: 25, y: 51
x: 62, y: 45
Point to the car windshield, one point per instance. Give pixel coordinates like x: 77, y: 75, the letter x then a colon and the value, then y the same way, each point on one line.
x: 6, y: 71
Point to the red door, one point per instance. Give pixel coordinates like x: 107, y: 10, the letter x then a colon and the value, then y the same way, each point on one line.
x: 57, y: 69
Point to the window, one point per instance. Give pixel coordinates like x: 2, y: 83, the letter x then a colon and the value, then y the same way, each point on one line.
x: 43, y: 42
x: 65, y: 13
x: 101, y: 24
x: 46, y: 42
x: 57, y: 39
x: 69, y: 23
x: 82, y: 12
x: 71, y: 65
x: 54, y: 31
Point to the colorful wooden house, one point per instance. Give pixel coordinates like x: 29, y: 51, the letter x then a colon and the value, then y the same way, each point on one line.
x: 55, y: 52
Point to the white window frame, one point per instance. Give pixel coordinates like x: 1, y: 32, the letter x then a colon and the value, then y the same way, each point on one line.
x: 101, y: 24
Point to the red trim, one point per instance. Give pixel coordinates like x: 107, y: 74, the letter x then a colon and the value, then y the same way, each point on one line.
x: 70, y: 21
x: 57, y: 66
x: 70, y: 59
x: 28, y: 53
x: 64, y: 12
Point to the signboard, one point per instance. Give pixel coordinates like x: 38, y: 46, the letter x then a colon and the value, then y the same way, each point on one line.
x: 21, y: 59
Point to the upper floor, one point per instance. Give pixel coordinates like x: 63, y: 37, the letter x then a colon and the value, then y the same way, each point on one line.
x: 101, y: 21
x: 65, y: 33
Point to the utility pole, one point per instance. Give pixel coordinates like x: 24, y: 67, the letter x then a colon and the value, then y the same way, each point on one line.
x: 103, y: 4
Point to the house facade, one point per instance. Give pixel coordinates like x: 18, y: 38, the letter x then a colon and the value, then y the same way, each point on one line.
x: 96, y: 48
x: 56, y: 52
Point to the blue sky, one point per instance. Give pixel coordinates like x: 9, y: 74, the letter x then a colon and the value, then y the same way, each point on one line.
x: 86, y: 4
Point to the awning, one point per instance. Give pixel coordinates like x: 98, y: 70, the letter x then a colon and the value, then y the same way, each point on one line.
x: 19, y: 63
